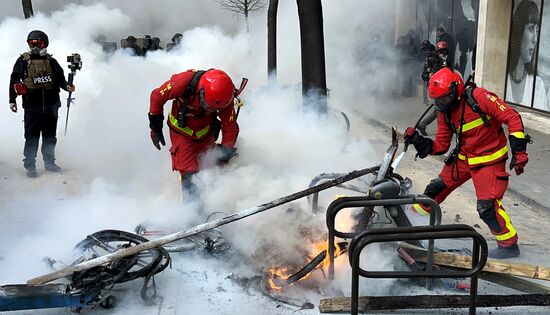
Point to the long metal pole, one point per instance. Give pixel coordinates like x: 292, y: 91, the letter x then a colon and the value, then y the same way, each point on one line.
x: 195, y: 230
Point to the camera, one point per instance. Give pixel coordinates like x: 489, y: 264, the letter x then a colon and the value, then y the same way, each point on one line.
x: 75, y: 63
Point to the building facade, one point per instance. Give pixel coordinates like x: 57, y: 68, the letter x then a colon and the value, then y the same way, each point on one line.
x: 507, y: 42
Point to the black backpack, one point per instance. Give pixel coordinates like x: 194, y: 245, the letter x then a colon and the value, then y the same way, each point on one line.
x: 469, y: 95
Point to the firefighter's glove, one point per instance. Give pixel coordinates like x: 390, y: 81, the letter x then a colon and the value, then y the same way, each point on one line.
x: 422, y: 145
x: 519, y: 160
x: 155, y: 123
x: 519, y: 152
x: 225, y: 153
x: 20, y: 88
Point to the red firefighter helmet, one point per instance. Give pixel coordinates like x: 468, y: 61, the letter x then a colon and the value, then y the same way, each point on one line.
x: 216, y: 90
x: 445, y: 87
x: 441, y: 45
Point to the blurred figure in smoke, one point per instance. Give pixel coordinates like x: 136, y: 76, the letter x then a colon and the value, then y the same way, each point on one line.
x: 37, y: 77
x: 147, y: 44
x: 373, y: 59
x: 407, y: 50
x: 200, y: 98
x: 475, y: 117
x: 155, y: 44
x: 131, y: 43
x: 436, y: 61
x: 176, y: 41
x: 428, y: 51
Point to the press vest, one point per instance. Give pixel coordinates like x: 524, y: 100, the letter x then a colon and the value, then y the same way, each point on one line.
x: 39, y: 74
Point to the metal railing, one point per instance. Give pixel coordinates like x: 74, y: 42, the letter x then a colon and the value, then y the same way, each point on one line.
x: 365, y: 201
x: 359, y: 242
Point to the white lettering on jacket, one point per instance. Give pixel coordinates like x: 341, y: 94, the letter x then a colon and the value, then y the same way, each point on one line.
x: 42, y: 80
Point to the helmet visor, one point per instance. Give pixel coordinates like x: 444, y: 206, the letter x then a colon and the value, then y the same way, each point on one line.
x: 204, y: 104
x: 443, y: 104
x: 36, y: 43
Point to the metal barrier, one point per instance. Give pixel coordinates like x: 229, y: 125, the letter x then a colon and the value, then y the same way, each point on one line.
x: 359, y: 242
x: 366, y: 201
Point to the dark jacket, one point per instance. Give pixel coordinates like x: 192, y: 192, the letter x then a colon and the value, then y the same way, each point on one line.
x: 432, y: 64
x: 38, y: 99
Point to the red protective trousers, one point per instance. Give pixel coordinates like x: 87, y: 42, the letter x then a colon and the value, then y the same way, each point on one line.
x: 185, y: 152
x: 490, y: 182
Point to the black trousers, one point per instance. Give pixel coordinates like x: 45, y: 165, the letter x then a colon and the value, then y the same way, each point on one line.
x: 40, y: 123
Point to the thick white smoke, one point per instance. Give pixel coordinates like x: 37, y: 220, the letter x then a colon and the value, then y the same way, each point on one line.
x: 114, y: 178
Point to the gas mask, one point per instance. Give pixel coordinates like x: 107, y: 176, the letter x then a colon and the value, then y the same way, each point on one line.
x: 37, y: 51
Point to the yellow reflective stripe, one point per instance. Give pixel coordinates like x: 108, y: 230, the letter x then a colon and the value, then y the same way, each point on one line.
x: 420, y: 210
x: 174, y: 122
x: 473, y: 124
x: 488, y: 158
x: 202, y: 132
x: 518, y: 134
x: 188, y: 130
x: 462, y: 157
x: 511, y: 230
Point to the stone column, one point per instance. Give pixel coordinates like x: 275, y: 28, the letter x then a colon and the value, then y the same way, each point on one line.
x: 493, y: 33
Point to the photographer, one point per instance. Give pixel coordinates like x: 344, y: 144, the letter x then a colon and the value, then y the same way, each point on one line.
x: 38, y: 77
x: 436, y: 59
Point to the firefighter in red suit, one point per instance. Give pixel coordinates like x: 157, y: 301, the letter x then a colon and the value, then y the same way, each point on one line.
x: 475, y: 116
x: 199, y: 99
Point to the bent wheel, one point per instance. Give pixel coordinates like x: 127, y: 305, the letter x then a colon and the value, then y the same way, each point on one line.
x: 125, y: 269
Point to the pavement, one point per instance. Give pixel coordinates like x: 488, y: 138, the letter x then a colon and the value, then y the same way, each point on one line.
x: 530, y: 187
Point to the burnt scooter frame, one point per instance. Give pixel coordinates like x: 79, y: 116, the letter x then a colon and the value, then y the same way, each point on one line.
x: 365, y: 201
x: 386, y: 196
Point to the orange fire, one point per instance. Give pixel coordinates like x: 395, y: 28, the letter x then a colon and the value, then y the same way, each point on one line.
x: 319, y: 247
x: 277, y: 276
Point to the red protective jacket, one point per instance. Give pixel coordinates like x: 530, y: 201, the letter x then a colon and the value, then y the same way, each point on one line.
x: 481, y: 144
x: 197, y: 122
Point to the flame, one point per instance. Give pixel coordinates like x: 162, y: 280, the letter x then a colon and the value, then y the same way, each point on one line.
x: 321, y: 246
x: 277, y: 276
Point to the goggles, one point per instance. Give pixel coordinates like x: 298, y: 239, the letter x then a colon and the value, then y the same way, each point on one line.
x: 36, y: 43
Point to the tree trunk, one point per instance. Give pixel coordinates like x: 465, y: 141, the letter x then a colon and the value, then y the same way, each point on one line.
x: 247, y: 22
x: 314, y: 84
x: 27, y: 8
x: 272, y: 38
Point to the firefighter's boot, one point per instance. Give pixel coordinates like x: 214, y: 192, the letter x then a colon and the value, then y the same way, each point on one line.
x: 505, y: 252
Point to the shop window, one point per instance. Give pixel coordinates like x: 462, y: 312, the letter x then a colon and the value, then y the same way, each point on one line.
x: 523, y: 84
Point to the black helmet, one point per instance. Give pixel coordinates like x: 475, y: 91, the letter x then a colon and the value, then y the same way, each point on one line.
x: 177, y: 38
x: 38, y: 36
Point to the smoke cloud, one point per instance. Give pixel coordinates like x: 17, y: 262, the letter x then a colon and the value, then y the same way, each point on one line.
x: 113, y: 177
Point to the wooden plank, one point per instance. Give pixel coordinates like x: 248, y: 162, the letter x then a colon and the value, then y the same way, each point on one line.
x: 493, y: 265
x: 371, y: 303
x: 509, y: 281
x: 513, y: 282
